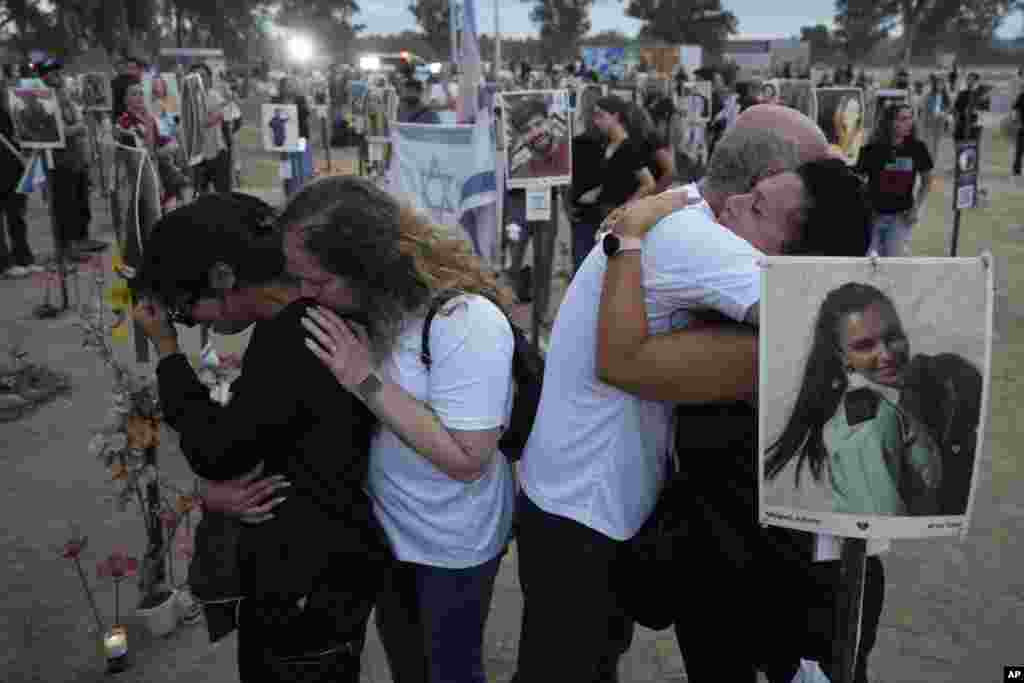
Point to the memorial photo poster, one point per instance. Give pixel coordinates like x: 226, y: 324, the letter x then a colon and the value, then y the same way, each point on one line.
x: 161, y: 95
x: 873, y: 395
x: 841, y: 118
x: 38, y: 123
x: 538, y: 136
x: 280, y: 125
x: 96, y: 92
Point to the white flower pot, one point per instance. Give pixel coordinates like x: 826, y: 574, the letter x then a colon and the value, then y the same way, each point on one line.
x: 163, y: 618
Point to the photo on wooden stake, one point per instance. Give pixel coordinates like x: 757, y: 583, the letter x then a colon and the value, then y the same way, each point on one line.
x: 873, y: 387
x: 538, y: 135
x: 96, y: 93
x: 38, y: 123
x: 280, y: 124
x: 841, y: 118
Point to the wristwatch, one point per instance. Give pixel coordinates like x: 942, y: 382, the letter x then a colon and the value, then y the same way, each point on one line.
x: 615, y: 244
x: 369, y: 386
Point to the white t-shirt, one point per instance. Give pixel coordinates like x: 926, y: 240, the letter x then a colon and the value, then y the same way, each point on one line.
x: 429, y: 517
x: 597, y: 454
x: 213, y: 136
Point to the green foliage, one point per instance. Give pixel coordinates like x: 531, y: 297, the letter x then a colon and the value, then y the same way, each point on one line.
x: 562, y: 23
x: 434, y: 18
x: 690, y: 22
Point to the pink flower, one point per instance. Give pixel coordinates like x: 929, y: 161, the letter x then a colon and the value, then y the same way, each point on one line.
x: 231, y: 361
x: 73, y: 548
x: 117, y: 566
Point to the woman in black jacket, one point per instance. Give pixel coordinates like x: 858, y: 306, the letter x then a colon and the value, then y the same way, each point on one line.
x: 300, y: 585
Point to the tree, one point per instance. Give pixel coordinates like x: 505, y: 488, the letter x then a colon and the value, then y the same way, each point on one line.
x: 821, y: 40
x: 861, y: 25
x: 434, y: 18
x: 690, y: 22
x: 925, y: 24
x: 562, y: 24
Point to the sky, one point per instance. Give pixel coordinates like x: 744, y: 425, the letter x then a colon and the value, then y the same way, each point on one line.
x: 779, y: 17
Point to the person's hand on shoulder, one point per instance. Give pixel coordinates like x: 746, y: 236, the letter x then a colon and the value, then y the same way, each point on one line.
x: 637, y: 218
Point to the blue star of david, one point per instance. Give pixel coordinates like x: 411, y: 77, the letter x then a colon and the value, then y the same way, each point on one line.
x: 434, y: 187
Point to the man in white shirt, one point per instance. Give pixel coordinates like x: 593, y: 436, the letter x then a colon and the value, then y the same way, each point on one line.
x: 597, y: 457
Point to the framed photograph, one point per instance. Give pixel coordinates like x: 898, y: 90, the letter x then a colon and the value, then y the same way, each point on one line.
x: 799, y: 95
x: 538, y: 135
x: 841, y: 118
x: 161, y: 95
x: 38, y: 123
x: 96, y: 93
x: 280, y: 125
x: 874, y: 384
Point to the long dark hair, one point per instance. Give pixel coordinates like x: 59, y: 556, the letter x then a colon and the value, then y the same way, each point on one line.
x: 823, y: 385
x: 882, y: 134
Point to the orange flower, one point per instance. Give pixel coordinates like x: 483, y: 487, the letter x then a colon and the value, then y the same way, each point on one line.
x: 142, y: 432
x: 119, y: 471
x: 185, y: 504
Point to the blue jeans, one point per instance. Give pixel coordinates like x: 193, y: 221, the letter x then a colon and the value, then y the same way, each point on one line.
x: 431, y: 622
x: 890, y: 235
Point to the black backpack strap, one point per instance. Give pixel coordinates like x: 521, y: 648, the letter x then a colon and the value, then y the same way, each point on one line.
x: 435, y: 305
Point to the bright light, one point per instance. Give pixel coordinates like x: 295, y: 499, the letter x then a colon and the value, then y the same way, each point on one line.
x: 301, y: 48
x: 369, y: 63
x: 435, y: 68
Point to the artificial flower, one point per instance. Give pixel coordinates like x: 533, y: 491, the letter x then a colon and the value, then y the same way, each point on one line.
x: 142, y: 432
x: 117, y: 566
x: 169, y: 519
x: 73, y: 548
x: 97, y: 444
x: 185, y: 504
x: 119, y: 471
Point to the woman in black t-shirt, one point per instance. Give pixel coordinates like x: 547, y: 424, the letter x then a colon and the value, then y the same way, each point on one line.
x: 892, y: 162
x: 623, y: 175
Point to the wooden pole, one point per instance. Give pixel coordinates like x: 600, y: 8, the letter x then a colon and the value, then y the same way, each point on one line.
x: 55, y: 227
x: 847, y: 615
x: 544, y: 235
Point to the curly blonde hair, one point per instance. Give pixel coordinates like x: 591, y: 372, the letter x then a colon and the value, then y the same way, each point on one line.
x: 394, y: 258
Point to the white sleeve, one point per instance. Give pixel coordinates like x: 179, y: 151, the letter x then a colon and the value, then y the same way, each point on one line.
x: 691, y: 262
x: 470, y: 378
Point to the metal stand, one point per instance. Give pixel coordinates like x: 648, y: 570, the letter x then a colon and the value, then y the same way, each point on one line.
x: 849, y: 600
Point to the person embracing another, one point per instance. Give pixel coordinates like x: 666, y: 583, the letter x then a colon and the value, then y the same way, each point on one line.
x: 300, y: 584
x: 440, y: 485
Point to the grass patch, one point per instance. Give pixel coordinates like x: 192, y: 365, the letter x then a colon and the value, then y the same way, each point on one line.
x: 992, y: 228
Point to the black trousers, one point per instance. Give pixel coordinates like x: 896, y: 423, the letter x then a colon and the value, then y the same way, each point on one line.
x: 819, y: 599
x: 18, y: 252
x: 279, y: 644
x: 573, y: 628
x: 71, y: 203
x: 215, y: 171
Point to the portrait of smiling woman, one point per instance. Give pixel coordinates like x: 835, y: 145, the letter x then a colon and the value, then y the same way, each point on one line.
x: 873, y: 425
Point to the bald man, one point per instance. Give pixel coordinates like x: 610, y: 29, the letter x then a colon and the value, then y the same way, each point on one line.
x: 711, y: 370
x: 595, y: 461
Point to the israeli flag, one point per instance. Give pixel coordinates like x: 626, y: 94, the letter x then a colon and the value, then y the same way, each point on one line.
x: 444, y: 170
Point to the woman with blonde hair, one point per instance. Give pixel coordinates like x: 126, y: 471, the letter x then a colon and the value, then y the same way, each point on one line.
x: 440, y: 486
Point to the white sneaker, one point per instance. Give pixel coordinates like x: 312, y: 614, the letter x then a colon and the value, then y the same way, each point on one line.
x: 35, y: 268
x: 16, y: 271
